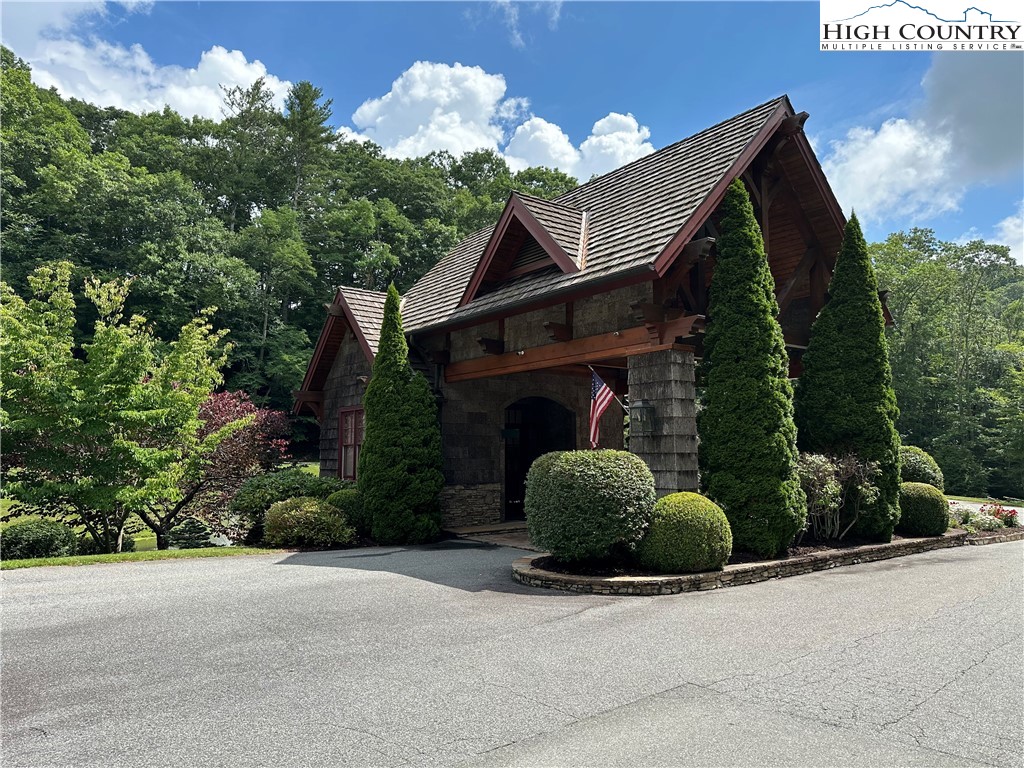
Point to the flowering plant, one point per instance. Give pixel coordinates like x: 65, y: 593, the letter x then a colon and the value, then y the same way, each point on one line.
x: 1006, y: 515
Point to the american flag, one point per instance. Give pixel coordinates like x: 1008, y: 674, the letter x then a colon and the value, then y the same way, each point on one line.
x: 600, y: 397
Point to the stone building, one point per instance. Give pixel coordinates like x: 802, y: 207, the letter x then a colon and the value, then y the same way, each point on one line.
x: 611, y: 277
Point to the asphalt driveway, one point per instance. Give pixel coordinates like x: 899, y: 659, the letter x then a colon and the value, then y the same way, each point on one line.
x: 432, y: 656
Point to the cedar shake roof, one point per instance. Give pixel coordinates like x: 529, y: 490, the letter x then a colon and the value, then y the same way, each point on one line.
x: 368, y: 311
x: 353, y: 310
x: 563, y: 222
x: 638, y: 218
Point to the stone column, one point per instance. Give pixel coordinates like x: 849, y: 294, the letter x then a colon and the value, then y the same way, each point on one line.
x: 665, y: 379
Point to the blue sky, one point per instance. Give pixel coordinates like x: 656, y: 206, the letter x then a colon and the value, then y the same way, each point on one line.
x: 909, y: 139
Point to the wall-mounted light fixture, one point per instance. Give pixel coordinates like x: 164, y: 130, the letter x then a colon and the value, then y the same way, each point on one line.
x: 641, y: 418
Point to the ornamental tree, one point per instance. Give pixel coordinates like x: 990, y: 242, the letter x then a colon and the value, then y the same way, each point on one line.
x: 845, y: 402
x: 747, y: 447
x: 399, y: 473
x: 96, y: 432
x: 236, y: 441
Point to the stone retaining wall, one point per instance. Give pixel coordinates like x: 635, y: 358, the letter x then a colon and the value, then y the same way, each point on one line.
x: 524, y: 572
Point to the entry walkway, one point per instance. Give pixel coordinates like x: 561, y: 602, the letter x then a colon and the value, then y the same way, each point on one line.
x: 511, y: 534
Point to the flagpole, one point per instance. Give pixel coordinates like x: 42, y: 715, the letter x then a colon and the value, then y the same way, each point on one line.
x: 624, y: 408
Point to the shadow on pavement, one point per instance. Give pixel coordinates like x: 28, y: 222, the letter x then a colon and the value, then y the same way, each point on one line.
x: 472, y: 566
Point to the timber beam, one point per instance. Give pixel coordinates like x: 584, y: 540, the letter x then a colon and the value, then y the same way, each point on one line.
x: 631, y: 341
x: 785, y: 294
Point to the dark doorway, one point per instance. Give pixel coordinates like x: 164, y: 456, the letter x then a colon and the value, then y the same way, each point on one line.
x: 533, y: 426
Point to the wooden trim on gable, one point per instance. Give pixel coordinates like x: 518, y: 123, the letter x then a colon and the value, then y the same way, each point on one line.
x: 516, y: 209
x: 710, y: 203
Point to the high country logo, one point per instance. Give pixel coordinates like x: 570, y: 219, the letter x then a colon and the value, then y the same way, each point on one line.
x: 900, y: 25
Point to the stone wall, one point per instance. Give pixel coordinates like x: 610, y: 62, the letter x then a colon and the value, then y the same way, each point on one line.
x: 665, y: 379
x: 341, y: 390
x: 472, y: 418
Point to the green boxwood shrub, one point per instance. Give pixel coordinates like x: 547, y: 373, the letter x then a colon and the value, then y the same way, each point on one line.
x: 923, y: 510
x: 350, y: 504
x: 37, y: 538
x: 306, y: 522
x: 917, y: 466
x: 588, y: 505
x: 257, y: 494
x: 688, y: 534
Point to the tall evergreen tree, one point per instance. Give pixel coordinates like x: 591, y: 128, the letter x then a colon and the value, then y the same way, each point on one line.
x: 845, y: 402
x: 748, y: 438
x: 400, y: 477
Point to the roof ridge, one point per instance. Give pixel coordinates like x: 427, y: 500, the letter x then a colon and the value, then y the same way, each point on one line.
x: 674, y: 144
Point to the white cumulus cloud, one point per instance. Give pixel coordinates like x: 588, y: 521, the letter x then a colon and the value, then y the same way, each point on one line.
x: 900, y: 170
x: 967, y: 130
x: 435, y: 106
x: 1010, y: 231
x: 49, y: 36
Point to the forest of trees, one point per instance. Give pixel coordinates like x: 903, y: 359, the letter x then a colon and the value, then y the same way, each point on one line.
x: 260, y: 215
x: 263, y: 213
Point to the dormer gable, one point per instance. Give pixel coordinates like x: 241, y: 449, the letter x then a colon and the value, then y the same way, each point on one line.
x: 532, y: 234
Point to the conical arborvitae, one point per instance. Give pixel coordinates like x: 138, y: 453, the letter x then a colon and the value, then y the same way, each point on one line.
x: 747, y: 435
x: 845, y: 402
x: 400, y: 476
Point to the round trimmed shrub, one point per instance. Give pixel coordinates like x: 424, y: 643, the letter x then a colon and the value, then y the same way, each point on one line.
x: 37, y: 538
x: 917, y: 466
x: 258, y: 493
x: 306, y: 522
x: 688, y: 534
x: 350, y: 504
x: 923, y: 510
x: 588, y: 505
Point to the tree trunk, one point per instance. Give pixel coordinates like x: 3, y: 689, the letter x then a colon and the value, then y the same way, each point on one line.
x: 162, y: 540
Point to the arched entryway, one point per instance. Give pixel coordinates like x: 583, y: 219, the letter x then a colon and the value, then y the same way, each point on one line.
x: 533, y: 426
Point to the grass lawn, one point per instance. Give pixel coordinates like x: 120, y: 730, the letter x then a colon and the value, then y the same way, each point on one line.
x: 130, y: 557
x: 978, y: 500
x: 310, y: 467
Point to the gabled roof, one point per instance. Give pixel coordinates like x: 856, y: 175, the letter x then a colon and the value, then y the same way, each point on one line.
x: 639, y: 217
x: 353, y: 309
x: 550, y: 234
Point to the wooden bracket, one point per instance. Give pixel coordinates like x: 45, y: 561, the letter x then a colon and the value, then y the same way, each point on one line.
x: 558, y: 331
x: 492, y: 346
x: 785, y: 294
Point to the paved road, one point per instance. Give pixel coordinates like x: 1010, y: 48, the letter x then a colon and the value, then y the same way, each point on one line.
x: 433, y: 657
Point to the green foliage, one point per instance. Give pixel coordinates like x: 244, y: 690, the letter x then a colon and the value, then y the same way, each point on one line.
x: 916, y: 466
x: 980, y: 522
x: 824, y: 492
x: 37, y: 537
x: 259, y: 493
x: 588, y: 505
x: 399, y: 473
x: 957, y: 355
x: 845, y: 403
x: 88, y: 545
x: 350, y: 504
x: 688, y: 534
x: 306, y: 522
x: 923, y: 510
x: 748, y: 441
x: 191, y: 534
x: 262, y: 214
x: 96, y: 433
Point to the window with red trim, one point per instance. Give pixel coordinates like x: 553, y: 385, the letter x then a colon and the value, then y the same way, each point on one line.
x: 350, y: 438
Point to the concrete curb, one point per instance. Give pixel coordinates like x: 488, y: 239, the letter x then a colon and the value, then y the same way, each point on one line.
x: 524, y: 572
